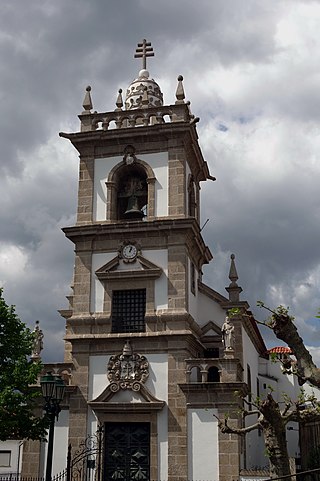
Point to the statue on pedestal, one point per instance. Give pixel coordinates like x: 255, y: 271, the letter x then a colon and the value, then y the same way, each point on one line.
x: 37, y: 341
x: 227, y: 330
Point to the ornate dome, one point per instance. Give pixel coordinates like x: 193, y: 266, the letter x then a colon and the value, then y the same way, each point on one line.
x: 143, y: 92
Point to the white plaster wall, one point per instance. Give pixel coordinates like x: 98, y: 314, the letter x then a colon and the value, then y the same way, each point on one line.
x: 157, y: 384
x: 102, y: 167
x: 60, y: 445
x: 97, y: 289
x: 209, y: 310
x: 160, y: 258
x: 16, y: 449
x: 157, y: 256
x: 203, y: 447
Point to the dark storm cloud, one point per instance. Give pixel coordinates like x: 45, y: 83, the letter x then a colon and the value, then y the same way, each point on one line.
x: 249, y: 75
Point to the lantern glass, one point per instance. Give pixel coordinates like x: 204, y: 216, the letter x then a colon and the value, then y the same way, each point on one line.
x: 47, y: 384
x: 59, y: 389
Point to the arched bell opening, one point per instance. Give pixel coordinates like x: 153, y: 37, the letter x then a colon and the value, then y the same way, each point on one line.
x: 132, y: 192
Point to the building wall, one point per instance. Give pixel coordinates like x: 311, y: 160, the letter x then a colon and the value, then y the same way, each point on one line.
x: 203, y: 448
x: 15, y: 448
x: 208, y: 310
x: 60, y: 446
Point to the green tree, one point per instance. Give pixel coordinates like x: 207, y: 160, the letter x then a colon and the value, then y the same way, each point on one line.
x: 18, y: 376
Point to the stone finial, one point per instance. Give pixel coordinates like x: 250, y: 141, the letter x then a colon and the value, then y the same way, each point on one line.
x: 87, y: 102
x: 180, y: 96
x: 233, y: 289
x: 233, y: 275
x: 37, y: 344
x: 119, y: 102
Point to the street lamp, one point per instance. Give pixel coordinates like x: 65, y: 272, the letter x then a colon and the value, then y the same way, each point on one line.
x: 52, y: 388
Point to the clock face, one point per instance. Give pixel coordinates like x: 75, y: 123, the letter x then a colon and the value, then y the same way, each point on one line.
x: 129, y: 252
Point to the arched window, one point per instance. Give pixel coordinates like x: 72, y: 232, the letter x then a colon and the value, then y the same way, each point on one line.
x: 195, y: 375
x: 191, y: 198
x: 213, y: 374
x: 130, y: 191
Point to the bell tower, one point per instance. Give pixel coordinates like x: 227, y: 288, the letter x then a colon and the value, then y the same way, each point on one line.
x: 138, y: 308
x: 140, y: 172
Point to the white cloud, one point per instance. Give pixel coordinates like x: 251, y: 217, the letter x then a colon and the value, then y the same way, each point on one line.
x: 13, y: 260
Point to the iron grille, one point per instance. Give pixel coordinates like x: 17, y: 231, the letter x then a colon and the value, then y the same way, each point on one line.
x: 128, y: 310
x: 127, y: 452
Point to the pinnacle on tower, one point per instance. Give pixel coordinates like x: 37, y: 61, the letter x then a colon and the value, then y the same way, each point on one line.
x: 87, y: 101
x: 234, y: 290
x: 119, y: 102
x: 180, y: 96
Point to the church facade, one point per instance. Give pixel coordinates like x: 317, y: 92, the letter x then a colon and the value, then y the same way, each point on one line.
x: 152, y: 356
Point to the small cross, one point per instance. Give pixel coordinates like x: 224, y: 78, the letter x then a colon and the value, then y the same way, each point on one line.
x: 143, y: 51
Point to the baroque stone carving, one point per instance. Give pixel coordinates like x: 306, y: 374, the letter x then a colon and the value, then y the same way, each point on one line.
x: 127, y: 370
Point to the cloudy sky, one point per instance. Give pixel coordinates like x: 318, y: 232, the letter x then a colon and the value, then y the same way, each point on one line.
x: 251, y: 71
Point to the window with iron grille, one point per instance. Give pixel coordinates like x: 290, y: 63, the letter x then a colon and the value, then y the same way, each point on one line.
x: 128, y: 310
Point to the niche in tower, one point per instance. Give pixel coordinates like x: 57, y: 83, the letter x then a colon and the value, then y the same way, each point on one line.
x: 131, y: 183
x: 192, y: 206
x: 132, y: 192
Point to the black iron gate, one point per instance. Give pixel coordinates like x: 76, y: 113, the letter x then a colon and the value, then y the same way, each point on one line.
x: 127, y: 452
x: 85, y: 464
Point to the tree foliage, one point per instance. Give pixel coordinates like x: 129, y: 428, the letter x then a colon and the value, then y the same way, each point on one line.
x: 18, y: 376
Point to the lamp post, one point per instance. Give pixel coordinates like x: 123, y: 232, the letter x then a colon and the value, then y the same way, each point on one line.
x: 52, y: 388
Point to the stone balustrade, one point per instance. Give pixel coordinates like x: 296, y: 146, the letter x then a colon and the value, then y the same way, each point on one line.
x: 218, y: 369
x: 121, y: 119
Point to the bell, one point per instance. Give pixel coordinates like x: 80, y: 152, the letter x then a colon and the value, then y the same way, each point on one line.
x: 133, y: 211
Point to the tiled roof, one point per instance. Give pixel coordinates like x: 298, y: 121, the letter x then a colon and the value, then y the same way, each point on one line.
x: 280, y: 350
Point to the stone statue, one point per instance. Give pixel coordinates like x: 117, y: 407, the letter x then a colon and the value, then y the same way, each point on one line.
x: 37, y: 342
x: 227, y: 334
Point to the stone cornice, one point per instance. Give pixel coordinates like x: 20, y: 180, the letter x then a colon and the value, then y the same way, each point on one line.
x: 159, y: 133
x: 187, y: 227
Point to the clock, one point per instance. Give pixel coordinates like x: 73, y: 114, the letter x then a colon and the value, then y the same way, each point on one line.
x: 129, y: 252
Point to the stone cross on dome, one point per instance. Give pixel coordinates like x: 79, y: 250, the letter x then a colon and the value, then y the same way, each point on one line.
x: 143, y: 51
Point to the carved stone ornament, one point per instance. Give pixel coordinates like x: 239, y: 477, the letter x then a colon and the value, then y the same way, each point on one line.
x: 129, y: 155
x: 127, y: 370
